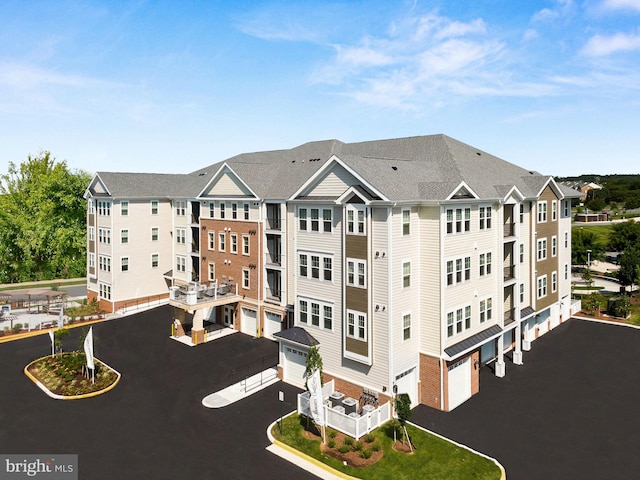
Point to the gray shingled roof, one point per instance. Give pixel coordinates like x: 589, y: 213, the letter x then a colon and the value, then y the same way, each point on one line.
x: 473, y: 341
x: 402, y: 169
x: 297, y: 335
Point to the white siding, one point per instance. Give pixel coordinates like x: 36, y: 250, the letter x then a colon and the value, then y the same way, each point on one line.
x: 227, y: 184
x: 333, y: 184
x: 430, y: 272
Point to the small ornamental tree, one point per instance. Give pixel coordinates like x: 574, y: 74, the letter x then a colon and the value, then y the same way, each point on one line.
x: 403, y: 410
x: 314, y: 362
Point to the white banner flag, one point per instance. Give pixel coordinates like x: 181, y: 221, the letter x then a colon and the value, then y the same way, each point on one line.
x: 60, y: 319
x: 315, y: 401
x: 52, y: 342
x: 88, y: 348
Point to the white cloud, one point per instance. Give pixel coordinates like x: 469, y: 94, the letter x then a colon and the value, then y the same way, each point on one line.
x: 600, y: 45
x: 562, y: 9
x: 621, y: 4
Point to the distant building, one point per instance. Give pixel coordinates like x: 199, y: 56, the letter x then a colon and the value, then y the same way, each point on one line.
x: 582, y: 187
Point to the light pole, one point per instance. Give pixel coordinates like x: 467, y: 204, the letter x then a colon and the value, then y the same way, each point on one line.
x: 589, y: 259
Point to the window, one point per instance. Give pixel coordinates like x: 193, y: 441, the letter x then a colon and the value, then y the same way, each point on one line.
x: 554, y: 246
x: 212, y: 240
x: 458, y: 320
x: 355, y: 221
x: 154, y: 207
x: 486, y: 310
x: 302, y: 219
x: 222, y: 239
x: 105, y: 291
x: 181, y: 208
x: 303, y: 311
x: 356, y: 273
x: 521, y: 293
x: 245, y: 210
x: 124, y: 208
x: 566, y: 271
x: 467, y: 266
x: 458, y: 270
x: 522, y: 253
x: 181, y: 264
x: 357, y: 325
x: 406, y: 274
x: 315, y: 266
x: 327, y: 219
x: 485, y: 218
x: 327, y: 317
x: 212, y: 209
x: 566, y: 239
x: 154, y: 234
x: 303, y: 265
x: 485, y: 264
x: 91, y: 233
x: 104, y: 263
x: 460, y: 225
x: 245, y: 278
x: 542, y: 249
x: 234, y: 242
x: 467, y: 317
x: 522, y: 213
x: 315, y: 220
x: 124, y: 264
x: 566, y: 207
x: 450, y: 324
x: 104, y: 208
x: 155, y: 259
x: 542, y: 286
x: 542, y: 212
x: 245, y: 244
x: 554, y: 210
x: 315, y: 314
x: 327, y: 263
x: 181, y: 236
x: 554, y: 281
x: 212, y: 272
x: 104, y: 236
x: 91, y: 208
x: 406, y: 326
x: 222, y: 209
x: 234, y: 211
x: 92, y: 260
x: 124, y: 236
x: 406, y: 222
x: 462, y: 270
x: 450, y: 272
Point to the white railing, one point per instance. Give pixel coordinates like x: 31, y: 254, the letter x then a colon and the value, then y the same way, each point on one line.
x: 354, y: 426
x: 576, y: 306
x: 259, y: 379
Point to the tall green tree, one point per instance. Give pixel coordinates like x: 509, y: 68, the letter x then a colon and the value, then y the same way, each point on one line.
x: 42, y: 221
x: 581, y: 242
x: 624, y: 235
x: 629, y: 267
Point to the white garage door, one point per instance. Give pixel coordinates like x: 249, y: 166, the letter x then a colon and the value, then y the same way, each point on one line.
x: 295, y: 363
x: 248, y: 325
x: 408, y: 383
x: 272, y: 324
x: 459, y: 382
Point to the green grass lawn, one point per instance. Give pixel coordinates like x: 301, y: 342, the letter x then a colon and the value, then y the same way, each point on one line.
x: 601, y: 232
x: 434, y: 458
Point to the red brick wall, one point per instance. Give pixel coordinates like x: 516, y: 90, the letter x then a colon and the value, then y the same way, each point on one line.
x: 475, y: 372
x: 350, y: 389
x: 430, y: 381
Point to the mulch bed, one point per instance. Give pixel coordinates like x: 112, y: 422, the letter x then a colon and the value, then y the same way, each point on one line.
x: 352, y: 457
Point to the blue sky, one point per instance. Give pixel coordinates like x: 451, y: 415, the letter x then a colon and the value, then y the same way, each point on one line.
x: 171, y: 87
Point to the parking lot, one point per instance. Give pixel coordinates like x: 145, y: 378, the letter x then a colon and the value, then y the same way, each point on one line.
x: 569, y: 412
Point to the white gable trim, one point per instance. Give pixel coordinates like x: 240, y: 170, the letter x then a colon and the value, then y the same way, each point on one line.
x: 216, y: 176
x: 515, y: 193
x: 554, y: 186
x: 95, y: 180
x: 352, y: 191
x: 460, y: 186
x: 334, y: 160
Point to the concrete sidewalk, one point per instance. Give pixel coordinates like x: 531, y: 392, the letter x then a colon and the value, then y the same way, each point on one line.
x: 243, y: 389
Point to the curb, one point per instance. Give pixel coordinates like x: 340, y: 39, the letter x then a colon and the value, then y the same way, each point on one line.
x: 607, y: 322
x: 35, y: 333
x: 71, y: 397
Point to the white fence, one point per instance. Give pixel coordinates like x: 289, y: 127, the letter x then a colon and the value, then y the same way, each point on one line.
x: 354, y: 426
x: 576, y: 306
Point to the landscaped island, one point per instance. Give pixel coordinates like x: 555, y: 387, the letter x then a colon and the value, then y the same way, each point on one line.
x: 64, y: 376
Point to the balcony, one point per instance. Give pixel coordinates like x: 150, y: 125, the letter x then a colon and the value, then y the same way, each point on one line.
x: 509, y: 273
x: 273, y: 223
x: 509, y: 316
x: 273, y: 259
x: 272, y: 295
x: 201, y: 295
x: 509, y: 230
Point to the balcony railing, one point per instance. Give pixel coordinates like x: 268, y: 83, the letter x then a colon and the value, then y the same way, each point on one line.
x: 273, y: 295
x: 273, y: 259
x: 509, y: 229
x: 273, y: 223
x: 509, y: 316
x: 196, y: 293
x: 509, y: 272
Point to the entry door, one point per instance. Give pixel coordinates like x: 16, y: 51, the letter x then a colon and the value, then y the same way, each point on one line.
x: 459, y: 383
x: 228, y: 316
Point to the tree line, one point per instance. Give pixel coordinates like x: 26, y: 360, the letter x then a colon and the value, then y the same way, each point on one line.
x: 42, y: 220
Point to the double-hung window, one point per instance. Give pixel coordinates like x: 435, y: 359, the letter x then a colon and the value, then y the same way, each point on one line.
x: 406, y: 222
x: 315, y: 220
x: 234, y: 211
x: 406, y: 326
x: 485, y: 263
x: 542, y: 249
x: 406, y: 274
x: 356, y: 273
x: 485, y: 218
x: 357, y: 325
x: 327, y: 219
x: 542, y: 286
x: 542, y: 211
x: 554, y: 246
x: 485, y: 310
x: 154, y: 207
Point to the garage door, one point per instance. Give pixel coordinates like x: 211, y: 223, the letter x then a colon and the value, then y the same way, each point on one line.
x: 272, y: 324
x: 407, y: 382
x: 459, y: 382
x: 295, y: 363
x: 248, y: 325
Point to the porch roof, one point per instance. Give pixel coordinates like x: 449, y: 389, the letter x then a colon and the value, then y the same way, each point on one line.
x: 297, y: 335
x: 472, y: 342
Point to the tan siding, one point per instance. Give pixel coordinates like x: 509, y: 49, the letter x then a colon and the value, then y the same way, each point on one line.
x: 357, y: 346
x: 356, y: 246
x: 228, y: 184
x: 546, y: 267
x: 356, y: 299
x: 333, y: 184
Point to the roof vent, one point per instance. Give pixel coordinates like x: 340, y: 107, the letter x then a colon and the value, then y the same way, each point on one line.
x: 478, y: 153
x: 202, y: 174
x: 394, y: 168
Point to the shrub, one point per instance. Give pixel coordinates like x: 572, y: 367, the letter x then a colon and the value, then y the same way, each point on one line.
x: 370, y: 438
x: 375, y: 447
x: 358, y: 446
x: 332, y: 434
x: 366, y: 454
x: 344, y: 448
x: 331, y: 443
x: 348, y: 441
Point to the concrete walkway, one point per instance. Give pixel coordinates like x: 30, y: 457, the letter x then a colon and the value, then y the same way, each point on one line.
x: 243, y: 389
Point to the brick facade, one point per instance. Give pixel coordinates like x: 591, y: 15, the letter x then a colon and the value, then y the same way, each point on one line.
x: 350, y: 389
x: 430, y: 381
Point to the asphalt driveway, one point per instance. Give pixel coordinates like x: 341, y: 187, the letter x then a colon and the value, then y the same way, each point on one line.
x: 571, y: 411
x: 152, y: 425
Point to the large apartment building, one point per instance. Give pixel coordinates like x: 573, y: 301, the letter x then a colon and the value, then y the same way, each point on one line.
x: 411, y: 263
